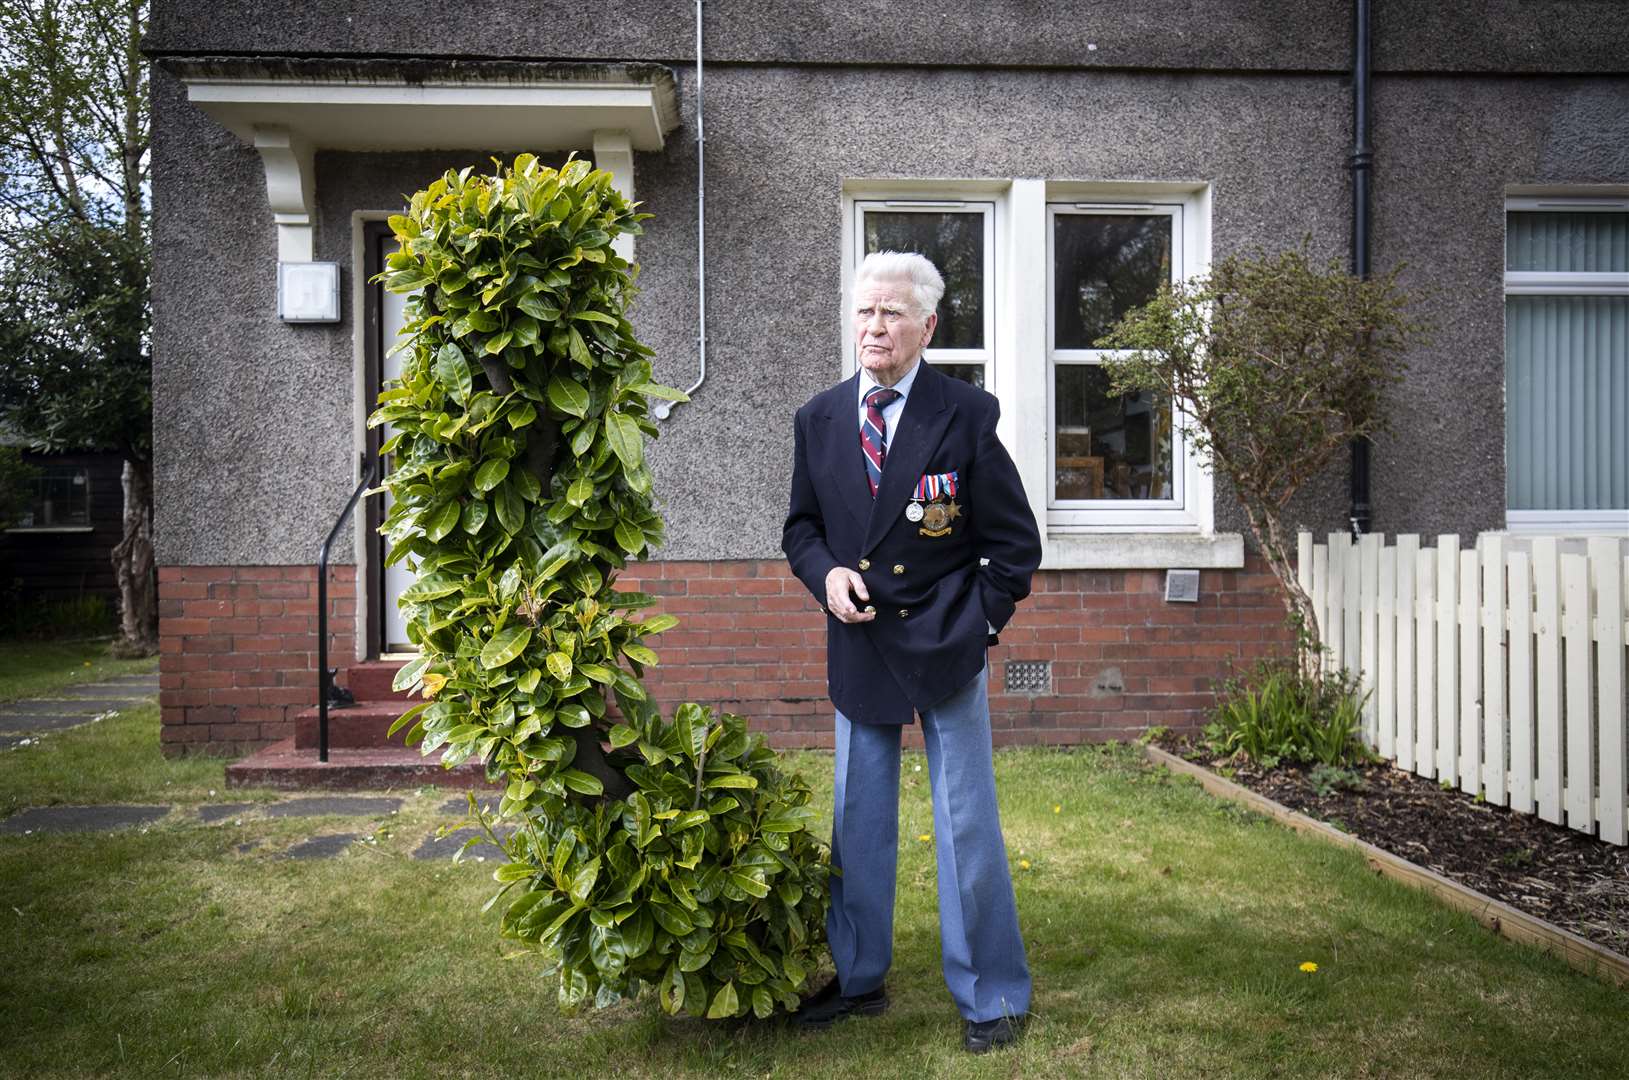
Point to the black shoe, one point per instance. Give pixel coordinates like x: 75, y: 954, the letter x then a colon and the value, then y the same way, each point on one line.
x: 986, y: 1035
x: 828, y: 1005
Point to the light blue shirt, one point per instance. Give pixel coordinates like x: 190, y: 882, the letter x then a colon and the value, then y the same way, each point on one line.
x: 891, y: 413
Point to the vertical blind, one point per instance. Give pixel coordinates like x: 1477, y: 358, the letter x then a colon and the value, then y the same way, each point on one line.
x: 1567, y: 366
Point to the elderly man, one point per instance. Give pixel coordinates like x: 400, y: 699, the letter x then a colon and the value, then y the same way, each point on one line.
x: 909, y: 525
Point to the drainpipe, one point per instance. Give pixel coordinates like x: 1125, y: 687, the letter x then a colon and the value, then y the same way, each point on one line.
x: 1361, y: 161
x: 663, y: 409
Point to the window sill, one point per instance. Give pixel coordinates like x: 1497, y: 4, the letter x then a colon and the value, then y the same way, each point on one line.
x: 1142, y: 551
x: 52, y: 529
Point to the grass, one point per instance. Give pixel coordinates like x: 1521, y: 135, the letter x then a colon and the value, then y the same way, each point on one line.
x: 1164, y: 932
x: 36, y: 668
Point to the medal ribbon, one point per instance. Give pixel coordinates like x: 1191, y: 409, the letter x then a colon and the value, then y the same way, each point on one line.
x: 933, y: 485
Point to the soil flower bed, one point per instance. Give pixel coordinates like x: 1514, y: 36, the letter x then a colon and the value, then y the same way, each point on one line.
x: 1567, y: 878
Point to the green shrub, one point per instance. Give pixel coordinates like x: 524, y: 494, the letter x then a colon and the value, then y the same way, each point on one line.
x: 647, y: 853
x: 1277, y: 714
x: 707, y: 885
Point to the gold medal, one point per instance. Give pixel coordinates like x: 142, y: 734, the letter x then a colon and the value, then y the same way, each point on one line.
x: 937, y: 517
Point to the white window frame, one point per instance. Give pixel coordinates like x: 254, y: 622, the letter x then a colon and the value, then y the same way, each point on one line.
x: 1018, y: 368
x: 986, y: 207
x: 1563, y: 283
x: 1068, y: 514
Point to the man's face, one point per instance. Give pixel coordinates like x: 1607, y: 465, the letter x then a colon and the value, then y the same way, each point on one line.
x: 889, y: 333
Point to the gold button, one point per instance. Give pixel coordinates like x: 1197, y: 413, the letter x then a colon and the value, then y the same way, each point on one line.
x: 865, y: 564
x: 870, y: 610
x: 899, y: 568
x: 904, y: 613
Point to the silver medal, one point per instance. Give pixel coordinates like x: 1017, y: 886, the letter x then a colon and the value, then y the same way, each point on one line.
x: 913, y: 512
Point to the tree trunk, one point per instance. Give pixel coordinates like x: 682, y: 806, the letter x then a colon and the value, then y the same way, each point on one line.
x: 133, y: 566
x: 1264, y: 526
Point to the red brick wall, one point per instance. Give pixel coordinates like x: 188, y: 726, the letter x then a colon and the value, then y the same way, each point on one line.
x: 238, y: 650
x: 752, y: 640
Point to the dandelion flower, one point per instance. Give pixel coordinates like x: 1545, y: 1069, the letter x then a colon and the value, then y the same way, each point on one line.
x: 1309, y: 967
x: 1023, y: 864
x: 925, y: 837
x: 1057, y: 808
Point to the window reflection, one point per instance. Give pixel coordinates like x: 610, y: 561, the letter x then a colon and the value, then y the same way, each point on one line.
x: 953, y: 242
x: 1109, y: 446
x: 967, y: 373
x: 1105, y: 264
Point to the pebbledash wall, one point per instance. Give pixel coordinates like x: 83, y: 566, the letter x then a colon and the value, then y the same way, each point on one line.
x: 1247, y: 102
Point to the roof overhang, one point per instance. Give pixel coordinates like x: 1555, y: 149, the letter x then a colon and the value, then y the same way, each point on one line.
x: 395, y: 105
x: 287, y: 109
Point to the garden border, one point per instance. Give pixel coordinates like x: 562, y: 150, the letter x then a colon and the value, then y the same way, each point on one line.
x: 1496, y: 915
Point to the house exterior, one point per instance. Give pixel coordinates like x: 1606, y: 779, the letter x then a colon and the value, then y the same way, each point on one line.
x: 1057, y: 161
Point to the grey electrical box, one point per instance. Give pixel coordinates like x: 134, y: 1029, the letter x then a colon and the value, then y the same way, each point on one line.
x: 1182, y: 586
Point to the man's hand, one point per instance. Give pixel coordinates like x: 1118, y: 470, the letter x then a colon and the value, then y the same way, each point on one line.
x: 839, y: 583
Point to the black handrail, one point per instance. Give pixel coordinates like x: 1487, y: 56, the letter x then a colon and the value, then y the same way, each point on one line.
x: 370, y: 465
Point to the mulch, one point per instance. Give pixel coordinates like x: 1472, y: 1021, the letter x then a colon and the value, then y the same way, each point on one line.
x: 1560, y: 875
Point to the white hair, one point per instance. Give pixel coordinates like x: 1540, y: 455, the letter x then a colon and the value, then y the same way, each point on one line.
x: 927, y: 286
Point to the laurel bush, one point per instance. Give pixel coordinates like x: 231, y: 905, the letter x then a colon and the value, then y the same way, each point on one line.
x: 646, y: 853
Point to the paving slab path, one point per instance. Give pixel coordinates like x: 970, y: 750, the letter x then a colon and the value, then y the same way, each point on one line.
x: 62, y: 819
x: 73, y: 705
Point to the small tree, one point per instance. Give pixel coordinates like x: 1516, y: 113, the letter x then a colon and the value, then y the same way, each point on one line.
x: 674, y: 854
x: 75, y: 257
x: 1279, y: 366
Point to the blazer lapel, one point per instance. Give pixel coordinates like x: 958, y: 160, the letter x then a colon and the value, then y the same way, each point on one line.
x: 842, y: 452
x: 921, y: 428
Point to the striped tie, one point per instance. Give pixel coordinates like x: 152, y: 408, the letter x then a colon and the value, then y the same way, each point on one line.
x: 874, y: 433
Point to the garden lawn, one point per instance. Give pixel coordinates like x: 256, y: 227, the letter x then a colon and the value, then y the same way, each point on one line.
x: 1165, y: 932
x: 37, y: 668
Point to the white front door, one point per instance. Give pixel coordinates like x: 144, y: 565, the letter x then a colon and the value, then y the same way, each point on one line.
x: 397, y: 577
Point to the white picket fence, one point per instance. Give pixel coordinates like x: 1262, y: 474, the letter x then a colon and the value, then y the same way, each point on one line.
x: 1499, y: 669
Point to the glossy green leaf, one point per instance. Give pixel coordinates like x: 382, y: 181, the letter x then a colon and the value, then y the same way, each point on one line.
x: 724, y: 1003
x: 452, y: 370
x: 490, y: 472
x: 568, y: 396
x: 505, y: 646
x: 634, y: 651
x: 626, y: 440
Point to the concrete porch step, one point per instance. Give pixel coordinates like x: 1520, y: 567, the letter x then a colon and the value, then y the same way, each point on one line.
x: 287, y: 767
x: 356, y: 726
x: 369, y: 680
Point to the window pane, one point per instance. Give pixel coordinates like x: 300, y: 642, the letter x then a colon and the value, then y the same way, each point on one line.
x: 953, y: 242
x: 1567, y: 402
x: 967, y: 373
x: 1590, y: 243
x: 1105, y: 265
x: 1109, y: 447
x: 61, y: 497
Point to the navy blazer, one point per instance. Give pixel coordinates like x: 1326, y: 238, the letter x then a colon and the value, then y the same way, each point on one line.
x: 935, y: 602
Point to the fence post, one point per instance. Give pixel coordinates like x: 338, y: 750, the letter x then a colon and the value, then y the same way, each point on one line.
x: 1447, y: 658
x: 1408, y: 561
x: 1607, y: 570
x: 1495, y: 662
x: 1547, y: 664
x: 1521, y: 683
x: 1577, y: 624
x: 1385, y: 651
x: 1335, y: 598
x: 1425, y: 663
x: 1470, y: 675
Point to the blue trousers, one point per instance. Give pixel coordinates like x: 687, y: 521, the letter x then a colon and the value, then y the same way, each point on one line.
x: 981, y: 949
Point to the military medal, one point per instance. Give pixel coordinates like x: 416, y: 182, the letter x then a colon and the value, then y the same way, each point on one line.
x: 939, y: 489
